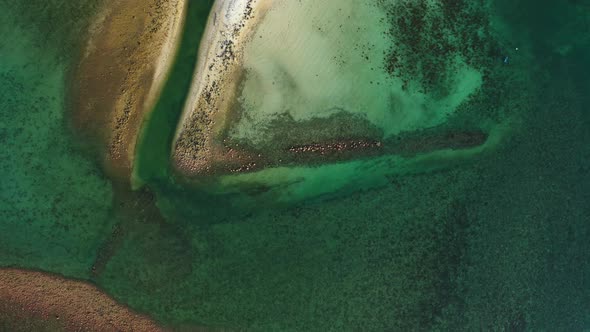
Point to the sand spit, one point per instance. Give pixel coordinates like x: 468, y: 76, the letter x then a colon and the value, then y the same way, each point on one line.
x: 196, y: 150
x: 130, y: 50
x: 50, y: 302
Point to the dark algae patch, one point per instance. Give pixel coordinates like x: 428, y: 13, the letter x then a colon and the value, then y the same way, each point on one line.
x: 495, y: 242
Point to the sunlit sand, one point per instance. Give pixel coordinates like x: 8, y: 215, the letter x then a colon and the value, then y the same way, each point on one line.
x: 129, y: 52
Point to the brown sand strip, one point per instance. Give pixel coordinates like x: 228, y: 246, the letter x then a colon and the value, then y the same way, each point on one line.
x: 38, y: 299
x: 130, y: 50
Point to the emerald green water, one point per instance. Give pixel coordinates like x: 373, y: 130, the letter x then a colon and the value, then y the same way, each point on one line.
x: 495, y: 242
x: 55, y: 208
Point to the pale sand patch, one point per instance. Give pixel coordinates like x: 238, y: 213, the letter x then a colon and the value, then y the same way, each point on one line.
x: 262, y: 61
x: 313, y: 59
x: 130, y: 50
x: 65, y: 304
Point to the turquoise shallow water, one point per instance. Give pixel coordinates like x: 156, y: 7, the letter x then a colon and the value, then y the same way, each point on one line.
x: 46, y: 184
x: 495, y: 243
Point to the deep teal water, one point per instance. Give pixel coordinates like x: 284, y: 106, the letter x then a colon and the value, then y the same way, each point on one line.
x: 497, y: 243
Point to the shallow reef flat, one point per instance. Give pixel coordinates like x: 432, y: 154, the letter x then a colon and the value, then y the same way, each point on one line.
x: 337, y: 85
x: 276, y: 77
x: 46, y: 184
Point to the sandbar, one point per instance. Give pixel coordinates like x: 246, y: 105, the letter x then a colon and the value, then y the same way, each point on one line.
x: 130, y: 49
x: 49, y: 301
